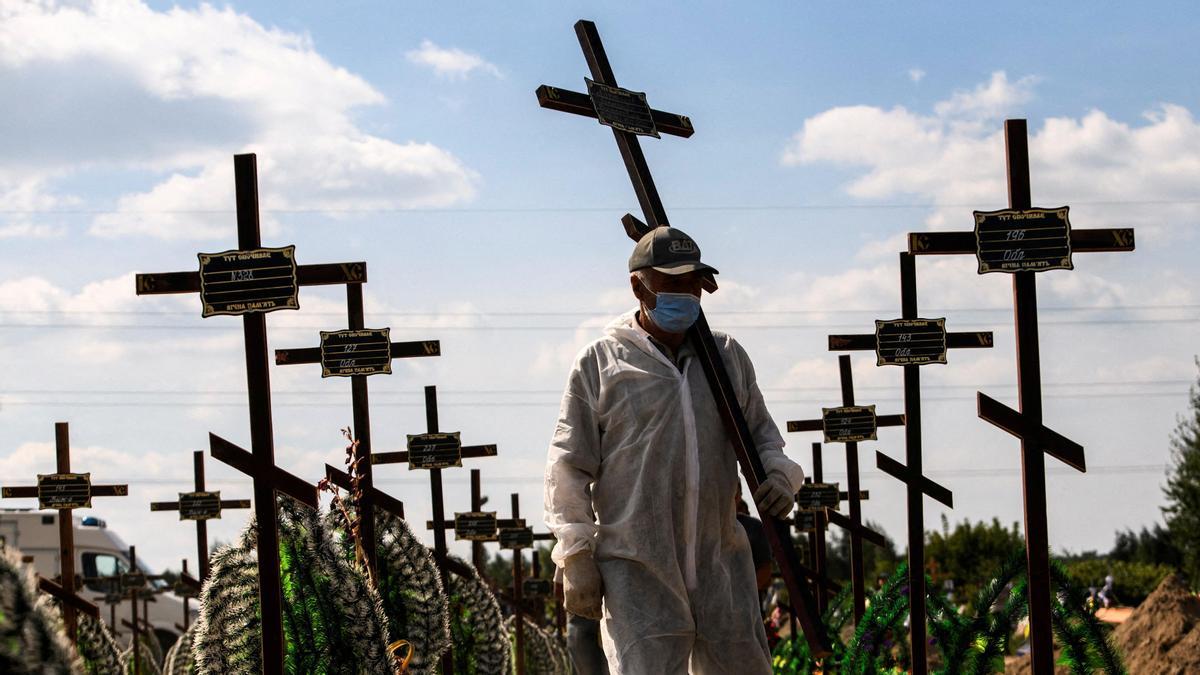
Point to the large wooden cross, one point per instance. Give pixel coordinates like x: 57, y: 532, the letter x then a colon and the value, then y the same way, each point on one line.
x: 248, y: 282
x: 357, y: 353
x: 65, y: 491
x: 912, y: 342
x: 1022, y: 241
x: 433, y: 451
x: 849, y: 424
x: 629, y: 116
x: 200, y: 506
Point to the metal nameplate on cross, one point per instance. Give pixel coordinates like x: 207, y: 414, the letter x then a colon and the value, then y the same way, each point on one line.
x: 200, y: 505
x: 699, y: 335
x: 1025, y: 241
x: 818, y: 496
x: 65, y: 491
x: 253, y: 280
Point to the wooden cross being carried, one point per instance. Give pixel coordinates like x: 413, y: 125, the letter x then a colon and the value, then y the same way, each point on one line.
x: 434, y: 451
x: 1022, y: 241
x: 850, y: 424
x: 200, y: 506
x: 249, y: 282
x: 357, y: 353
x: 65, y: 491
x: 911, y: 342
x: 629, y: 116
x: 130, y: 585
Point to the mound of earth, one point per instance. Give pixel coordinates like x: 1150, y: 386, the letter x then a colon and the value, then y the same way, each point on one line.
x: 1162, y: 636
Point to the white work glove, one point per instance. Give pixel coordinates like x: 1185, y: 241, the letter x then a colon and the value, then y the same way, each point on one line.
x: 582, y: 586
x: 774, y: 495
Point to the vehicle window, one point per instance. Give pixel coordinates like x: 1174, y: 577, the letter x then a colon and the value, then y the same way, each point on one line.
x: 102, y: 565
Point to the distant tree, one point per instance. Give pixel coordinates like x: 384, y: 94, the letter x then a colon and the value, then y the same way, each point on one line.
x: 1182, y: 490
x: 1148, y: 546
x: 877, y: 560
x: 971, y: 553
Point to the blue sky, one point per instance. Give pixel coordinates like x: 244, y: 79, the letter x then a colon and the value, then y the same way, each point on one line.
x: 408, y: 135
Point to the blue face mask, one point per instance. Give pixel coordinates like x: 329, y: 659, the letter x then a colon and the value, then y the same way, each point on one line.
x: 675, y: 312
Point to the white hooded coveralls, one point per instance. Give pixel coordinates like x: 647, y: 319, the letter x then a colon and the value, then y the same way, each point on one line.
x: 647, y: 437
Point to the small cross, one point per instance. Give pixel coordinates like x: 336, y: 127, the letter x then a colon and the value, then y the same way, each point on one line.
x: 65, y: 491
x: 186, y: 587
x: 357, y: 353
x: 629, y: 115
x: 1023, y: 240
x: 131, y: 585
x: 843, y: 423
x: 200, y: 506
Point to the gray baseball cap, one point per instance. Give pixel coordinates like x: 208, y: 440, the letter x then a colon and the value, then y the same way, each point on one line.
x: 669, y: 251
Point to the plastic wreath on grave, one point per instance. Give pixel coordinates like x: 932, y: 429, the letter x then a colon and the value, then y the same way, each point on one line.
x: 149, y: 661
x: 976, y: 641
x: 32, y: 639
x: 99, y: 651
x: 542, y: 654
x: 477, y: 627
x: 333, y: 621
x: 179, y: 659
x: 792, y: 656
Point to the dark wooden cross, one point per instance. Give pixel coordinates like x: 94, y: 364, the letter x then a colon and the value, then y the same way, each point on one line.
x: 1022, y: 240
x: 65, y: 491
x: 433, y: 451
x: 248, y: 282
x: 130, y: 585
x: 912, y: 342
x: 826, y: 587
x: 186, y: 587
x: 200, y: 506
x: 852, y: 524
x: 357, y: 353
x: 629, y: 116
x: 516, y: 544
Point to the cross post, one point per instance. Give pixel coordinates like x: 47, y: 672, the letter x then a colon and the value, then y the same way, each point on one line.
x: 357, y: 353
x: 200, y: 506
x: 851, y: 421
x: 629, y: 116
x: 65, y: 491
x: 432, y: 451
x: 1023, y: 240
x: 911, y: 342
x: 249, y: 282
x: 187, y: 587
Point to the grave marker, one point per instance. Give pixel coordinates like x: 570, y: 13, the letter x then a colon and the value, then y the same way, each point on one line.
x: 200, y: 506
x: 1037, y: 440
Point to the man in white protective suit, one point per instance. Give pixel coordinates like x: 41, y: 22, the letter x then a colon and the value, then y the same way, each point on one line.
x: 641, y: 477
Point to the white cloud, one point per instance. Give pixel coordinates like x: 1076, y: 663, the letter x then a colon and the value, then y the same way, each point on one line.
x: 451, y: 62
x: 954, y: 158
x: 177, y: 93
x: 916, y: 74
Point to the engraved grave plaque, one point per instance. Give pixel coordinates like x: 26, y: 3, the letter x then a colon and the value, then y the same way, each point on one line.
x: 622, y: 109
x: 1023, y: 240
x: 910, y: 342
x: 356, y: 352
x: 251, y: 281
x: 849, y: 424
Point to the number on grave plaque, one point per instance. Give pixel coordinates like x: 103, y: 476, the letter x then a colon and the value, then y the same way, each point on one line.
x: 64, y: 490
x: 356, y: 352
x: 199, y: 505
x: 247, y: 282
x: 536, y: 588
x: 434, y: 451
x: 1023, y: 240
x: 516, y: 537
x: 910, y: 342
x: 806, y: 521
x: 185, y: 590
x: 622, y: 109
x: 133, y: 580
x: 475, y: 526
x: 849, y: 424
x: 818, y: 496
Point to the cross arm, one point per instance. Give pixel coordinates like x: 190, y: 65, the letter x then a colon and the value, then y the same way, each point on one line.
x: 501, y: 523
x: 564, y: 100
x: 1053, y: 443
x: 164, y: 506
x: 901, y: 473
x: 50, y: 588
x: 865, y: 532
x: 379, y: 497
x: 110, y: 490
x: 161, y: 283
x: 280, y: 480
x: 235, y: 503
x: 401, y: 457
x: 866, y: 341
x: 399, y: 350
x: 818, y: 425
x: 862, y: 495
x: 1082, y: 241
x: 22, y: 492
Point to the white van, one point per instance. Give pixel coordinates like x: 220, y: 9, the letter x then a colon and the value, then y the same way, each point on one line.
x: 98, y: 552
